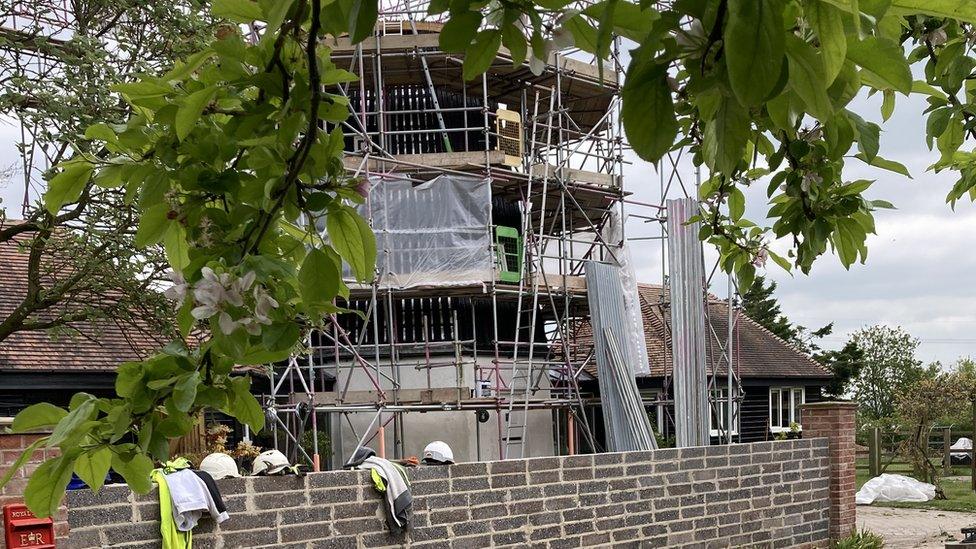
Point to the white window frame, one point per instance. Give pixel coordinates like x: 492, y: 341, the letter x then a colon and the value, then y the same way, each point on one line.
x: 721, y: 407
x: 776, y: 404
x: 655, y: 395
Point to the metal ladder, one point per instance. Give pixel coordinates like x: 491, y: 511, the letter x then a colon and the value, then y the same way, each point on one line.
x: 520, y: 383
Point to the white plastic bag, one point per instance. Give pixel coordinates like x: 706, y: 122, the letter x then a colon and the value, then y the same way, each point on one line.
x: 887, y: 488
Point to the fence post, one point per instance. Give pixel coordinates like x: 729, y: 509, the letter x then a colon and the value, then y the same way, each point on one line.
x: 874, y: 452
x: 946, y: 451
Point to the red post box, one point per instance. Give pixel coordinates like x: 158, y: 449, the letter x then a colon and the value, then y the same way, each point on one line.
x: 23, y: 529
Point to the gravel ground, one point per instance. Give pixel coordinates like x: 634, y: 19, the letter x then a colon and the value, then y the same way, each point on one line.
x: 914, y: 528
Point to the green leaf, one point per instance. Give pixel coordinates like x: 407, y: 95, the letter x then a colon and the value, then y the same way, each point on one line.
x: 152, y: 225
x: 726, y: 136
x: 183, y: 69
x: 128, y: 379
x: 868, y: 136
x: 37, y: 416
x: 518, y: 46
x: 807, y: 78
x: 924, y: 88
x: 960, y: 10
x: 177, y: 250
x: 737, y: 204
x: 362, y: 19
x: 630, y: 20
x: 584, y: 34
x: 101, y: 132
x: 191, y: 109
x: 146, y: 88
x: 648, y: 109
x: 92, y: 466
x: 352, y: 237
x: 887, y: 105
x: 70, y: 423
x: 244, y: 406
x: 855, y: 188
x: 481, y: 53
x: 25, y: 455
x: 47, y: 484
x: 135, y: 470
x: 828, y: 22
x: 238, y: 11
x: 66, y: 186
x: 458, y: 32
x: 884, y: 59
x: 185, y: 391
x: 886, y: 164
x: 318, y: 279
x: 754, y: 48
x: 780, y: 260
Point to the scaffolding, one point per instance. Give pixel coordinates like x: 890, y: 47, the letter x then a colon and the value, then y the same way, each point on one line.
x: 495, y: 347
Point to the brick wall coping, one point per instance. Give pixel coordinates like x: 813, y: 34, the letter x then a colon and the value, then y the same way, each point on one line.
x: 830, y: 404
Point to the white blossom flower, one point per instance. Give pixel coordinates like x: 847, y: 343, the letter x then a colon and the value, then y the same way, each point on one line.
x: 177, y: 292
x: 208, y: 290
x: 761, y: 256
x: 203, y: 312
x: 250, y: 325
x: 227, y: 324
x: 263, y: 304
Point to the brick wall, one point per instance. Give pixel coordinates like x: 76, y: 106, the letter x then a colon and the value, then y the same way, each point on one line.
x: 769, y: 493
x: 11, y: 448
x: 835, y: 422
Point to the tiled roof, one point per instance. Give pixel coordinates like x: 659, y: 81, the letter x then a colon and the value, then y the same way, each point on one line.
x: 757, y: 352
x: 98, y: 346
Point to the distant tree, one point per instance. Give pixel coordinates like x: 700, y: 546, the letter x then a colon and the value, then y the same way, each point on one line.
x: 845, y: 364
x: 59, y: 62
x: 888, y: 368
x: 760, y: 305
x: 919, y: 406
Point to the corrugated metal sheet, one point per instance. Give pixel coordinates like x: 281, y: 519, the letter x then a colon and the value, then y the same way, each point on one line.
x: 686, y: 275
x: 626, y: 424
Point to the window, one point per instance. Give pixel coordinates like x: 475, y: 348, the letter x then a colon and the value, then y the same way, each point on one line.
x: 719, y: 410
x: 655, y: 412
x: 784, y: 407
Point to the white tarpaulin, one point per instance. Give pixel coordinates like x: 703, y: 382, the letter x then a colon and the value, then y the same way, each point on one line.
x: 432, y: 234
x: 888, y: 488
x: 962, y: 444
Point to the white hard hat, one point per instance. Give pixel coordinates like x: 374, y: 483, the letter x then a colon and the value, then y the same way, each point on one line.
x: 270, y: 462
x: 220, y: 465
x: 438, y: 452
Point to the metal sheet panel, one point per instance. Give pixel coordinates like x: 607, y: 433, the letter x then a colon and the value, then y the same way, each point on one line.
x: 687, y: 281
x: 626, y: 425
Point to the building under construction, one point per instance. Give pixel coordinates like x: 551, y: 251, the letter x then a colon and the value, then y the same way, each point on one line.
x: 488, y: 199
x: 498, y: 208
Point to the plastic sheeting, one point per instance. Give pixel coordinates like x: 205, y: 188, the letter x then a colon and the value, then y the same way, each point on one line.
x: 432, y: 234
x: 890, y: 488
x: 614, y: 237
x: 964, y: 444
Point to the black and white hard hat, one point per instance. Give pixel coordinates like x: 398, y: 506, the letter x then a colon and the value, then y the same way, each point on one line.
x: 438, y: 452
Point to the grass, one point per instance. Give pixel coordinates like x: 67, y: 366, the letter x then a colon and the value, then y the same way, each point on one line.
x: 959, y: 492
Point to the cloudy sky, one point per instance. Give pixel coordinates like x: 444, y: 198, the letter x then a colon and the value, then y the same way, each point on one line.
x: 920, y: 265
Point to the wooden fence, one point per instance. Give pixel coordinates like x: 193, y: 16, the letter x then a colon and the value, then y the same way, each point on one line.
x: 883, y: 450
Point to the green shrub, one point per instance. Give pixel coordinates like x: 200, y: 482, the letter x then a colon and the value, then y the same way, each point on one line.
x: 862, y: 539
